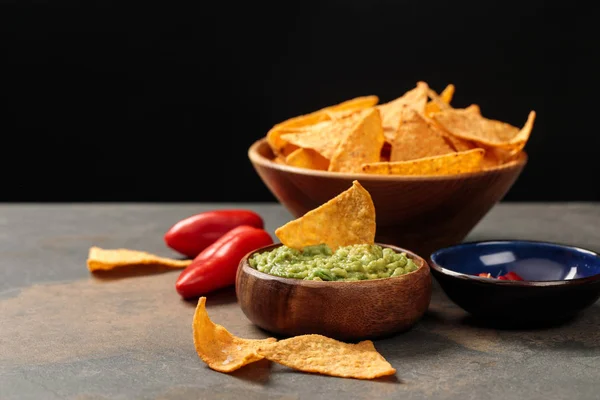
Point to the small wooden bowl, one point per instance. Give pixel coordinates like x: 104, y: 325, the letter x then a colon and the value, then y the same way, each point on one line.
x: 349, y: 311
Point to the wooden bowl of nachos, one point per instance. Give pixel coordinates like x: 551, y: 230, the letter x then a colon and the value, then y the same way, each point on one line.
x: 432, y: 178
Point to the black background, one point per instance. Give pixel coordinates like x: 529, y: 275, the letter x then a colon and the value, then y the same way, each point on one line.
x: 160, y: 101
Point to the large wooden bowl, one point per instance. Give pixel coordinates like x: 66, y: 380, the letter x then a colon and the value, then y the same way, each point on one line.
x: 419, y: 213
x: 348, y: 311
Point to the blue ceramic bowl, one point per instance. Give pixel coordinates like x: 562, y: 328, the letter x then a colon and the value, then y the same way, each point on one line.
x: 559, y: 280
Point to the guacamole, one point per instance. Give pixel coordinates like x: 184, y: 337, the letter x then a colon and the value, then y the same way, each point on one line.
x: 320, y: 263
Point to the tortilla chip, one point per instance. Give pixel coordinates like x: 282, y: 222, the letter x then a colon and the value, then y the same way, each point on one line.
x: 218, y: 348
x: 496, y: 156
x: 336, y: 115
x: 490, y: 159
x: 361, y: 144
x: 307, y: 158
x: 447, y: 94
x: 391, y: 112
x: 474, y: 108
x: 101, y: 259
x: 280, y: 160
x: 348, y: 218
x: 469, y: 125
x: 324, y: 137
x: 322, y: 355
x: 459, y: 144
x: 415, y: 138
x: 274, y: 135
x: 447, y: 164
x: 440, y: 102
x: 518, y: 142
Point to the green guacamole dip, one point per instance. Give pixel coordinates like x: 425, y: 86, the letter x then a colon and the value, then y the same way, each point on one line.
x: 319, y: 263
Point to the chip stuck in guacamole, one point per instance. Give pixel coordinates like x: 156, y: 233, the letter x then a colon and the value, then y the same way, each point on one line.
x: 333, y: 242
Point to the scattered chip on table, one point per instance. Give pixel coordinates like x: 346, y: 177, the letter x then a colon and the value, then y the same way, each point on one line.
x: 218, y: 348
x: 103, y: 259
x: 348, y: 218
x: 322, y: 355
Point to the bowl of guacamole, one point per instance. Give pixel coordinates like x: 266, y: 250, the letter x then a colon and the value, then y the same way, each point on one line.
x: 354, y: 292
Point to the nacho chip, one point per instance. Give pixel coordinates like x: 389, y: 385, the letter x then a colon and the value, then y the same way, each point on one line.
x: 391, y: 112
x: 361, y: 144
x: 348, y: 218
x: 440, y: 102
x: 496, y: 156
x: 274, y: 135
x: 324, y: 137
x: 280, y: 160
x: 474, y: 108
x: 101, y: 259
x: 447, y: 164
x: 470, y: 125
x: 322, y: 355
x: 218, y: 348
x: 336, y: 115
x: 307, y: 158
x: 415, y: 138
x: 459, y: 144
x: 447, y: 94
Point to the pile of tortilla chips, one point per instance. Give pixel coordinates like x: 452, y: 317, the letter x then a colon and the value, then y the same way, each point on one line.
x: 419, y: 133
x: 224, y: 352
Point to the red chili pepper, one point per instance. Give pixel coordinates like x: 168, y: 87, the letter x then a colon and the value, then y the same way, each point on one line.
x: 502, y: 278
x: 193, y: 234
x: 216, y: 266
x: 485, y: 275
x: 512, y: 276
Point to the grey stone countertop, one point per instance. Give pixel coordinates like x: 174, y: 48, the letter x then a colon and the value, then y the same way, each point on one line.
x: 65, y: 334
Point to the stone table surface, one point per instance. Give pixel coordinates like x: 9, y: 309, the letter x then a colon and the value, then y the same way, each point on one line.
x: 65, y: 334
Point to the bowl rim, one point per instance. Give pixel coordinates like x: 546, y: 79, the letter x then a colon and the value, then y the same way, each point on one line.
x: 245, y: 266
x: 257, y: 158
x: 551, y: 283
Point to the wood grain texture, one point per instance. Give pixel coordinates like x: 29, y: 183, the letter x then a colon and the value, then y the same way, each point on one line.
x: 348, y: 311
x: 418, y: 213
